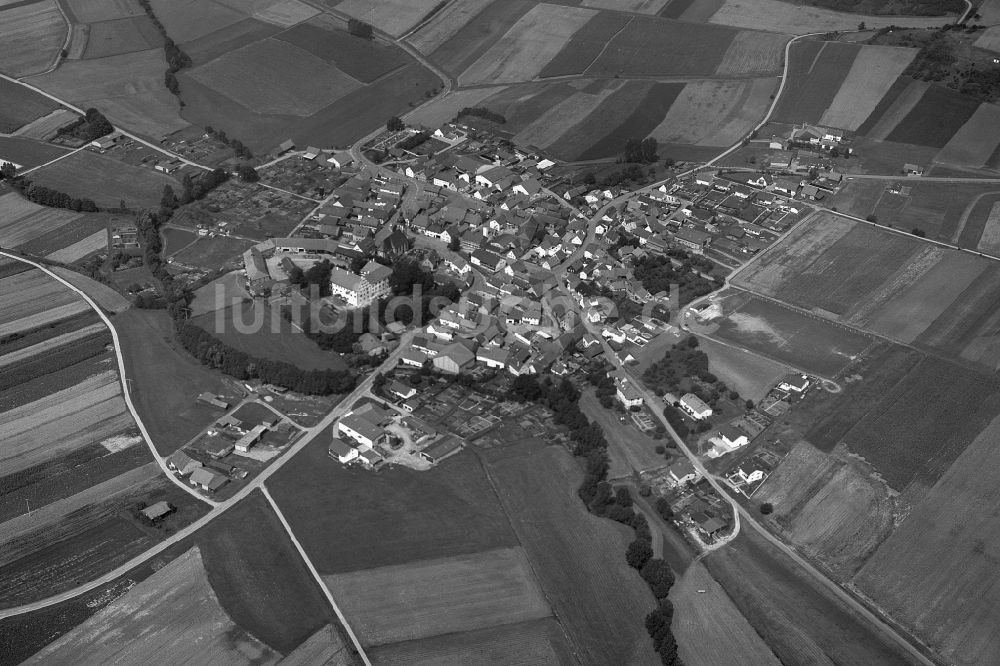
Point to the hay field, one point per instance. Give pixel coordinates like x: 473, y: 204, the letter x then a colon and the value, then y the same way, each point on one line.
x: 796, y: 19
x: 267, y: 77
x: 446, y: 107
x: 173, y: 616
x: 93, y: 11
x: 395, y: 17
x: 94, y: 243
x: 432, y: 597
x: 974, y: 143
x: 709, y: 628
x: 45, y: 128
x: 935, y: 573
x: 884, y: 122
x: 989, y: 39
x: 30, y: 37
x: 528, y: 46
x: 874, y: 70
x: 29, y: 293
x: 753, y: 53
x: 52, y: 343
x: 192, y: 19
x: 989, y: 242
x: 446, y: 24
x: 21, y: 106
x: 105, y: 180
x: 637, y: 6
x: 127, y: 35
x: 22, y: 221
x: 127, y: 88
x: 831, y: 506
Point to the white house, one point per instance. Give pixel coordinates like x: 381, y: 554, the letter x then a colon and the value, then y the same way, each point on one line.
x: 695, y: 406
x: 361, y: 430
x: 752, y: 477
x: 794, y: 383
x: 726, y: 440
x: 344, y: 452
x: 361, y: 290
x: 627, y: 394
x: 683, y: 471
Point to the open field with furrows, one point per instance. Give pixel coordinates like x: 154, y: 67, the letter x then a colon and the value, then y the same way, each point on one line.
x: 874, y: 70
x: 54, y: 372
x: 628, y: 449
x: 23, y: 221
x: 127, y: 88
x: 800, y: 19
x: 710, y: 630
x: 43, y: 318
x: 166, y: 380
x: 935, y: 119
x: 29, y: 293
x: 815, y: 74
x: 464, y: 46
x: 259, y: 330
x: 975, y: 141
x: 394, y: 17
x: 96, y: 242
x: 715, y: 113
x: 578, y: 558
x: 445, y: 24
x: 91, y: 11
x: 447, y: 511
x: 21, y: 106
x: 359, y: 58
x: 45, y: 345
x: 804, y: 341
x: 753, y: 53
x: 105, y: 180
x: 266, y: 77
x: 967, y: 328
x: 174, y: 613
x: 187, y: 22
x: 934, y: 573
x: 30, y: 37
x: 521, y: 644
x: 125, y: 35
x: 831, y: 506
x: 799, y: 620
x: 528, y: 46
x: 427, y: 598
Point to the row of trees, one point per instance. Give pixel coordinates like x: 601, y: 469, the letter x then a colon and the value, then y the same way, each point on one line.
x: 46, y: 196
x: 640, y: 151
x: 483, y: 112
x: 176, y: 58
x: 92, y: 126
x: 239, y: 149
x: 191, y: 190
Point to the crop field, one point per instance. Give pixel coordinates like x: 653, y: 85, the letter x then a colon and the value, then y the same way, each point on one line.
x: 775, y: 331
x: 578, y: 558
x: 211, y: 253
x: 126, y: 35
x: 23, y: 222
x: 753, y: 53
x: 445, y: 24
x: 259, y: 578
x: 166, y: 379
x: 715, y: 113
x: 989, y: 240
x: 874, y: 70
x: 258, y: 330
x: 17, y: 355
x: 752, y: 376
x: 446, y: 107
x: 966, y: 329
x: 815, y: 75
x: 432, y: 597
x: 96, y: 242
x: 173, y: 611
x: 30, y: 293
x: 989, y: 39
x: 975, y: 141
x: 990, y: 12
x: 830, y: 506
x: 105, y: 180
x: 92, y: 11
x: 21, y: 106
x: 127, y: 88
x: 227, y: 39
x: 105, y: 297
x: 895, y: 105
x: 30, y: 37
x: 935, y: 119
x: 190, y: 21
x: 409, y: 515
x: 710, y: 630
x: 28, y: 152
x: 46, y: 127
x: 637, y: 6
x: 43, y: 318
x: 282, y: 13
x: 326, y: 647
x: 359, y: 58
x: 932, y: 573
x: 533, y: 642
x: 468, y: 43
x: 395, y: 17
x: 528, y: 46
x: 800, y: 19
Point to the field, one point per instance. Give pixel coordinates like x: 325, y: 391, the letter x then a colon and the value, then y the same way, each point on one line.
x: 166, y: 379
x: 359, y: 58
x: 975, y: 141
x: 432, y: 597
x: 127, y: 88
x: 628, y: 449
x: 266, y: 77
x: 989, y: 241
x: 578, y: 558
x: 807, y: 342
x: 105, y: 180
x: 174, y: 240
x: 989, y: 39
x: 257, y: 330
x: 710, y: 630
x: 174, y: 609
x: 92, y: 11
x: 25, y: 222
x: 967, y: 327
x: 184, y: 25
x: 935, y: 119
x: 96, y: 242
x: 637, y: 6
x: 752, y: 376
x: 797, y: 19
x: 31, y: 36
x: 126, y: 35
x: 21, y: 106
x: 815, y: 75
x: 105, y: 297
x: 874, y: 70
x: 395, y: 17
x: 282, y: 13
x: 446, y: 107
x: 528, y: 46
x: 212, y: 253
x: 446, y: 511
x: 46, y: 127
x: 933, y: 573
x: 445, y: 24
x: 218, y: 294
x: 753, y: 53
x: 28, y: 152
x: 715, y: 113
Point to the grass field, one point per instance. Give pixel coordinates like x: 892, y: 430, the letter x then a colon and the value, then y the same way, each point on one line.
x: 260, y: 331
x: 28, y: 152
x: 166, y: 379
x: 395, y: 17
x: 21, y: 106
x: 187, y: 22
x: 428, y: 598
x: 935, y: 119
x: 173, y: 609
x: 407, y: 515
x: 932, y: 573
x: 359, y: 58
x: 874, y: 70
x: 528, y: 46
x: 105, y: 180
x: 753, y: 53
x: 967, y: 327
x: 445, y: 24
x: 973, y: 144
x: 578, y: 558
x: 799, y: 19
x: 96, y: 242
x: 815, y: 75
x: 125, y: 35
x: 212, y: 253
x: 47, y: 127
x: 752, y: 376
x: 230, y: 38
x: 92, y: 11
x: 30, y: 37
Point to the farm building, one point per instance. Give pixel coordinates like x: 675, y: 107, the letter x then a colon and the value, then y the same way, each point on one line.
x: 454, y: 358
x: 710, y: 525
x: 370, y: 458
x: 213, y: 401
x: 182, y: 463
x: 342, y: 451
x: 341, y: 159
x: 695, y: 406
x: 682, y: 471
x: 441, y: 449
x: 286, y: 146
x: 793, y: 383
x: 157, y: 511
x: 207, y: 480
x: 311, y: 153
x: 913, y: 169
x: 364, y: 426
x: 106, y: 142
x: 247, y: 441
x: 693, y: 239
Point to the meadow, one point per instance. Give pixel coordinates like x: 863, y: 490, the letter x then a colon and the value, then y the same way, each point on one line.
x: 212, y: 253
x: 124, y: 35
x: 27, y: 152
x: 31, y: 36
x: 105, y: 180
x: 798, y: 19
x: 21, y: 106
x: 359, y: 58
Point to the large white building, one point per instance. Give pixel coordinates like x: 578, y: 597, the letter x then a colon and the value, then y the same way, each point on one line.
x: 361, y: 290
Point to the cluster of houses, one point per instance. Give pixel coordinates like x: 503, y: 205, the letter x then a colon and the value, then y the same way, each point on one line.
x: 358, y: 433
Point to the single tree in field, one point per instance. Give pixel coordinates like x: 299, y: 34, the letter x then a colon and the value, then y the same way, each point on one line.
x: 394, y: 124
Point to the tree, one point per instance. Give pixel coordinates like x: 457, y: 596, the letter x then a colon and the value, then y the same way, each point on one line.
x: 749, y: 405
x: 7, y: 171
x: 766, y: 508
x: 638, y: 553
x: 360, y: 29
x: 659, y: 576
x: 247, y: 173
x: 455, y: 244
x: 872, y: 218
x: 663, y: 508
x: 861, y: 26
x: 394, y: 124
x: 919, y: 233
x: 525, y: 388
x: 623, y: 497
x: 169, y: 200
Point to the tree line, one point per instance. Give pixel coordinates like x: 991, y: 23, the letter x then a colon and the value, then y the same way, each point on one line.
x: 482, y: 112
x: 92, y: 126
x: 46, y: 196
x: 176, y: 58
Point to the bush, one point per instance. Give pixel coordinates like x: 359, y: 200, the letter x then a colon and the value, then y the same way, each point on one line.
x: 639, y: 552
x: 766, y: 508
x: 660, y: 450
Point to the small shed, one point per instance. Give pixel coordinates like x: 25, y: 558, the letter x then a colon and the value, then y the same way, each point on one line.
x: 441, y: 449
x: 157, y: 511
